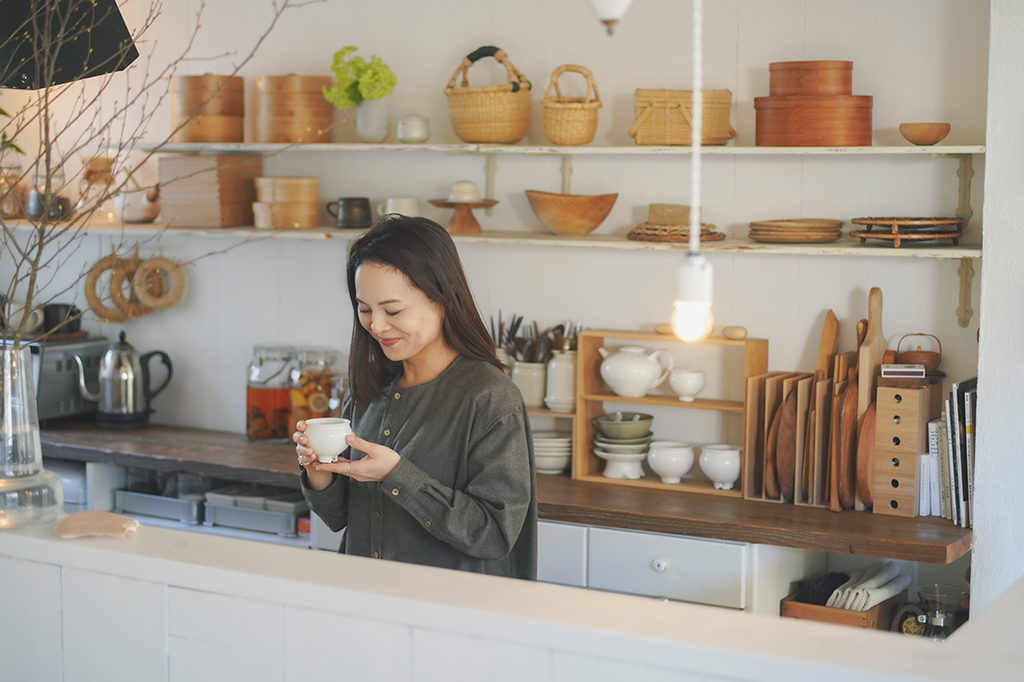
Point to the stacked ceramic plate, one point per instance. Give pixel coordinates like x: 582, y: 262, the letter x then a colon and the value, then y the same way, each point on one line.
x: 552, y: 451
x: 624, y: 456
x: 797, y: 231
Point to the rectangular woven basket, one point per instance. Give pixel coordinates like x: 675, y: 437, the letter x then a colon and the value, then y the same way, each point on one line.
x: 664, y: 117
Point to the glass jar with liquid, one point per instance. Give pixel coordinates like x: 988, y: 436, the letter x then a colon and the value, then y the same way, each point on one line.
x: 317, y: 387
x: 267, y: 409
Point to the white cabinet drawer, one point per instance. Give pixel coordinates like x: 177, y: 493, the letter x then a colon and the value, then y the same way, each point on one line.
x: 562, y: 553
x: 687, y: 569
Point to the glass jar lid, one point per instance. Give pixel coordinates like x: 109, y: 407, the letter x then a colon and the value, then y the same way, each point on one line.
x: 273, y: 352
x: 317, y: 356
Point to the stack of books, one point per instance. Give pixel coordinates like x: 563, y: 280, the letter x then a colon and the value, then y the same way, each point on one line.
x: 947, y: 470
x: 208, y: 191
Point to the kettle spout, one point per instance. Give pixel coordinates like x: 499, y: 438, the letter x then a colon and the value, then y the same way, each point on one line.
x: 604, y: 352
x: 86, y: 393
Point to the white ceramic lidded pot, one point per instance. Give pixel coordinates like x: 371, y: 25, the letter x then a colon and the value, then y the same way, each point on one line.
x: 670, y: 459
x: 721, y: 463
x: 561, y: 381
x: 530, y: 377
x: 632, y: 371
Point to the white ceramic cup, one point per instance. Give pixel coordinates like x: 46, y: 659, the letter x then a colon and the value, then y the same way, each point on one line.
x: 464, y: 191
x: 670, y: 459
x: 409, y: 206
x: 326, y: 435
x: 721, y: 463
x: 19, y: 312
x: 686, y: 383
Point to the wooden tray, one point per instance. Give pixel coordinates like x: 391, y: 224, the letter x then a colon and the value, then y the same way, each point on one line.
x: 784, y: 238
x: 798, y: 224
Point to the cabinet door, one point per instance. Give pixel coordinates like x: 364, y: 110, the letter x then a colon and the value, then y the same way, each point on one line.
x: 562, y: 553
x: 683, y: 568
x: 30, y: 637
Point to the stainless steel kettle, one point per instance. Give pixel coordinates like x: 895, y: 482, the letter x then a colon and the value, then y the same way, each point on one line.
x: 124, y: 393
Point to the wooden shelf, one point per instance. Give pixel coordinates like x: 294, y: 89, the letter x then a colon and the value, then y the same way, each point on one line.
x: 231, y: 456
x: 670, y: 401
x: 545, y: 412
x: 652, y: 481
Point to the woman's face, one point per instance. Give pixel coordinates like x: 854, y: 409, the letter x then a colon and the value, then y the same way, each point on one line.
x: 401, y: 317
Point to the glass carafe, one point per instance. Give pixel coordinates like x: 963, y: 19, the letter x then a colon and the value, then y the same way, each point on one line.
x: 96, y: 190
x: 46, y: 198
x: 267, y: 409
x: 940, y: 604
x: 316, y: 386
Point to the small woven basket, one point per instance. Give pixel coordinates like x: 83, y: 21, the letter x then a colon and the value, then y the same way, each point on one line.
x: 498, y: 114
x: 570, y: 121
x: 664, y: 117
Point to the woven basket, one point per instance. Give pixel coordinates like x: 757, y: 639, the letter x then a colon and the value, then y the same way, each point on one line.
x: 570, y: 120
x: 649, y: 232
x: 663, y: 117
x: 498, y: 114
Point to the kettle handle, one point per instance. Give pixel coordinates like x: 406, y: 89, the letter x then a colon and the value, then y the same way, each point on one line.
x: 144, y: 362
x: 667, y: 364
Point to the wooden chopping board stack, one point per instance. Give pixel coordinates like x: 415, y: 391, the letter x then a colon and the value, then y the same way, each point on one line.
x: 811, y: 435
x: 796, y: 231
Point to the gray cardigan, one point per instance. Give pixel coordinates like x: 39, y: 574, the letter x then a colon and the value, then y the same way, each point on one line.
x: 464, y: 494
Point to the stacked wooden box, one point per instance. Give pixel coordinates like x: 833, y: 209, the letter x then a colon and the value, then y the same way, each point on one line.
x: 810, y: 105
x: 286, y: 203
x: 208, y: 191
x: 292, y: 109
x: 207, y: 108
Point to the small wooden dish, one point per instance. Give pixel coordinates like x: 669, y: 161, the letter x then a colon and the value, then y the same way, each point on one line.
x: 924, y: 134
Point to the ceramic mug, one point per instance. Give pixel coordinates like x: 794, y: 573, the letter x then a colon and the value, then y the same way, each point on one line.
x: 326, y: 435
x: 62, y: 318
x: 18, y: 315
x: 351, y: 212
x: 408, y: 206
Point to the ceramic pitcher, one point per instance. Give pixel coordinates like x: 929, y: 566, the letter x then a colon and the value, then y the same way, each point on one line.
x: 633, y: 371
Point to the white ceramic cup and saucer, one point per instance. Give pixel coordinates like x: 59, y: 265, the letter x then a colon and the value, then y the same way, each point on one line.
x: 326, y: 435
x: 407, y: 206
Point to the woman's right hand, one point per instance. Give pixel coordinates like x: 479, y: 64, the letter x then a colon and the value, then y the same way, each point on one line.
x: 318, y: 480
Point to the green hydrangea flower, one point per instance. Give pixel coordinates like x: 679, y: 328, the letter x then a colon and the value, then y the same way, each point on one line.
x: 355, y: 79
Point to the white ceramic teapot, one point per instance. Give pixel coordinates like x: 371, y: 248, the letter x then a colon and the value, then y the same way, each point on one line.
x: 632, y: 371
x: 137, y: 205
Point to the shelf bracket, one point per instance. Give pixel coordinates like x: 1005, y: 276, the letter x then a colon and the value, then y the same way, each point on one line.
x: 490, y: 170
x: 966, y: 273
x: 566, y: 173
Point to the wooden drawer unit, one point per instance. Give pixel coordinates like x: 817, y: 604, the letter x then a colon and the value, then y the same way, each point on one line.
x: 901, y: 436
x: 686, y: 569
x: 562, y: 553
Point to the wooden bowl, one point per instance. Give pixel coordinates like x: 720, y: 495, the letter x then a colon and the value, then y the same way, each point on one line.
x: 924, y: 134
x: 570, y: 215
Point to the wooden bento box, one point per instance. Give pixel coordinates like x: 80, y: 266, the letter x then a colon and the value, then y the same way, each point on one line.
x: 878, y: 617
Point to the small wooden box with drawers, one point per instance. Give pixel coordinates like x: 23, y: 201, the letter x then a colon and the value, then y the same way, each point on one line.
x: 901, y: 437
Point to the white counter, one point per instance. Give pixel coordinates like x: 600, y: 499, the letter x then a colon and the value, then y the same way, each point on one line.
x: 185, y: 606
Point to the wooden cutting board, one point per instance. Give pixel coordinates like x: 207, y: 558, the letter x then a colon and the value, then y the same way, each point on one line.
x: 866, y: 457
x: 827, y: 347
x: 771, y: 476
x: 871, y: 353
x: 848, y: 443
x: 785, y: 449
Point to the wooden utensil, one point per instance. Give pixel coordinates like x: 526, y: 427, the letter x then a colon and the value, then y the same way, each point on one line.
x: 866, y: 457
x: 785, y: 449
x: 832, y: 461
x: 871, y: 352
x: 827, y: 348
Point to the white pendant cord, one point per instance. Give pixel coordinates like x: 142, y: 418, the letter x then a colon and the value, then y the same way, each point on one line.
x: 697, y: 127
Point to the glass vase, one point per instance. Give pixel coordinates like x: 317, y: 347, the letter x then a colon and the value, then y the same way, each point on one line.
x: 372, y: 120
x: 28, y: 494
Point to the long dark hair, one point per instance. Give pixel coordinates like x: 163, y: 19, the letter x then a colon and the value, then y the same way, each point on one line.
x: 424, y: 252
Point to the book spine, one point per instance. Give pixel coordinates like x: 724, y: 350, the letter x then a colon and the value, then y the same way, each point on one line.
x: 924, y: 487
x: 969, y: 406
x: 939, y: 507
x: 954, y: 474
x: 933, y: 470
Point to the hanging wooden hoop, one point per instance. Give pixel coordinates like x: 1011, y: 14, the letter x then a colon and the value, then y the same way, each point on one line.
x: 132, y: 306
x: 157, y: 267
x: 111, y: 262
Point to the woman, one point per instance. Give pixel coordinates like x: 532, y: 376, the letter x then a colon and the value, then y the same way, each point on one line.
x: 440, y: 467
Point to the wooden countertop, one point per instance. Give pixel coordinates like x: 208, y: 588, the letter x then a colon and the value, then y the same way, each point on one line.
x: 232, y: 456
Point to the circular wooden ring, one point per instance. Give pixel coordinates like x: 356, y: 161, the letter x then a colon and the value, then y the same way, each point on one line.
x: 127, y: 305
x: 159, y: 266
x: 111, y: 262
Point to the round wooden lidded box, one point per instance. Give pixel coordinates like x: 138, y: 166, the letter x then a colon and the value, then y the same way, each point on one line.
x: 212, y: 108
x: 292, y: 109
x: 286, y: 203
x: 811, y: 105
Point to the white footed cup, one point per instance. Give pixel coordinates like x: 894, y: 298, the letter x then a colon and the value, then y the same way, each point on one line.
x: 670, y: 459
x: 326, y: 435
x: 721, y: 463
x: 407, y: 206
x: 465, y: 192
x: 686, y: 383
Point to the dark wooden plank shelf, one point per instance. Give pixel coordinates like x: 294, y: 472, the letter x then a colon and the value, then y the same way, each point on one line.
x: 232, y: 456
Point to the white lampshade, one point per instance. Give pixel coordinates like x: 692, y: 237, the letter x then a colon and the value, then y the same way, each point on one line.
x: 610, y: 11
x: 691, y: 311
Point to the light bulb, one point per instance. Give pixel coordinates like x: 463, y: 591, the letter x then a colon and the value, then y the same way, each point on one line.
x: 610, y: 11
x: 691, y: 313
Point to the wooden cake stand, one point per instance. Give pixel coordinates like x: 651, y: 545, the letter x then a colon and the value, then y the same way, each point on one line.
x: 463, y: 222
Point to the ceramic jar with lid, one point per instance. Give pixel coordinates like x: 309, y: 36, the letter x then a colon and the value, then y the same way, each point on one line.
x: 561, y: 381
x: 267, y: 409
x: 530, y: 377
x: 413, y: 128
x: 316, y: 386
x: 633, y: 371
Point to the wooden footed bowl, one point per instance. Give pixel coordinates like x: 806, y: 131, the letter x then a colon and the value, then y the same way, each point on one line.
x: 924, y: 134
x: 570, y: 215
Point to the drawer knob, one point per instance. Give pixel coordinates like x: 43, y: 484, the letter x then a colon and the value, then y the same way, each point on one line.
x: 659, y: 565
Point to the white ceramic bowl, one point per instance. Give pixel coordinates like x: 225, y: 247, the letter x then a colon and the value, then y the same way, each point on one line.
x: 721, y: 463
x: 622, y: 449
x: 686, y: 383
x: 642, y: 440
x: 326, y: 435
x: 622, y: 466
x: 551, y: 464
x: 670, y: 459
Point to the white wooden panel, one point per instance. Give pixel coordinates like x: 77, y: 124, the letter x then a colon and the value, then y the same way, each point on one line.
x: 30, y: 627
x: 97, y: 605
x: 101, y: 480
x: 562, y: 553
x: 321, y: 646
x: 774, y: 573
x: 192, y: 659
x: 230, y: 621
x: 703, y: 571
x: 446, y: 657
x: 568, y: 667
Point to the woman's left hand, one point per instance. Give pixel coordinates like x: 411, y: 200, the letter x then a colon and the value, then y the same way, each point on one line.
x: 380, y: 461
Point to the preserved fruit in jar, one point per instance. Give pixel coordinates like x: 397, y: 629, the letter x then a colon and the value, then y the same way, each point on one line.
x: 316, y: 387
x: 268, y: 409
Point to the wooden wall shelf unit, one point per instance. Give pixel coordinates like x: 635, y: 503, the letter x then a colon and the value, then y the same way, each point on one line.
x: 591, y: 394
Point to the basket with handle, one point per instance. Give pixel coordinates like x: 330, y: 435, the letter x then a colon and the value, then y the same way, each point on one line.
x: 570, y: 120
x: 663, y: 117
x: 498, y: 114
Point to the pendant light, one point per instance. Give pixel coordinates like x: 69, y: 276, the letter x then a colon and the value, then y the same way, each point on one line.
x: 691, y: 315
x: 610, y: 11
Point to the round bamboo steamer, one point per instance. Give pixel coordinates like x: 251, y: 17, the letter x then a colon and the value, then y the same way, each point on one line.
x: 287, y: 190
x: 292, y: 109
x: 285, y: 216
x: 223, y: 95
x: 212, y: 129
x: 810, y: 78
x: 293, y: 83
x: 813, y: 121
x: 291, y: 130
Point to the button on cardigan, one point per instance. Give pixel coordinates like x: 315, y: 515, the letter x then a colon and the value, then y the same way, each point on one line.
x: 464, y: 494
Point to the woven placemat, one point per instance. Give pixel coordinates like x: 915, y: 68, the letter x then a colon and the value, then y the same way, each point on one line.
x: 649, y: 232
